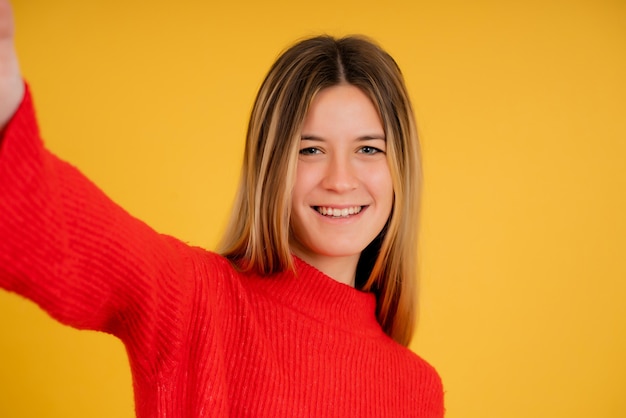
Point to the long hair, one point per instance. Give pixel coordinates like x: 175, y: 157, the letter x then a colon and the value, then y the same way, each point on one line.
x: 257, y: 237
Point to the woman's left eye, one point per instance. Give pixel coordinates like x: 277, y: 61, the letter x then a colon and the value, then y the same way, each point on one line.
x: 369, y: 150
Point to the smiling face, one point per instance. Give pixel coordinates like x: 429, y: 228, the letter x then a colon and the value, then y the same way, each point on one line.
x: 343, y: 192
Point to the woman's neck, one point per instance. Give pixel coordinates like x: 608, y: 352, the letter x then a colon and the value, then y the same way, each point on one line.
x: 341, y: 269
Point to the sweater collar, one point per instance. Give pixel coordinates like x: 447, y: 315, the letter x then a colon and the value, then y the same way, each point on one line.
x: 317, y: 295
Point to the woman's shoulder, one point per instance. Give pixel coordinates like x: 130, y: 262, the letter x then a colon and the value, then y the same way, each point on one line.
x: 209, y: 269
x: 427, y: 381
x: 208, y: 261
x: 424, y: 367
x: 415, y: 365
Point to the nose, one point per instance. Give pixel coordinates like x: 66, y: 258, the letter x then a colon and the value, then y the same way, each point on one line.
x: 340, y: 175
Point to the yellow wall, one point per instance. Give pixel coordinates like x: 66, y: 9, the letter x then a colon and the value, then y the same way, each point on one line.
x: 522, y: 113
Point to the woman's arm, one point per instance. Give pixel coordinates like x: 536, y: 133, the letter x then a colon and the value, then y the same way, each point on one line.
x: 67, y: 246
x: 11, y: 86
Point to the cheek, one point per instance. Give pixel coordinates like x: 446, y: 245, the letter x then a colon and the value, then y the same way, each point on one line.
x: 382, y: 185
x: 389, y: 200
x: 298, y: 189
x: 386, y: 197
x: 304, y: 182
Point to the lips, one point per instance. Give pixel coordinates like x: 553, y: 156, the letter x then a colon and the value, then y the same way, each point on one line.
x: 338, y: 212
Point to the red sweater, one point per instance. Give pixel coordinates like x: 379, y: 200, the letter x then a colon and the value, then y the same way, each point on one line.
x: 203, y: 339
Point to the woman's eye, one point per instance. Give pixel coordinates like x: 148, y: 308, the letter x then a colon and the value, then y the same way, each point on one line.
x: 309, y: 151
x: 369, y: 150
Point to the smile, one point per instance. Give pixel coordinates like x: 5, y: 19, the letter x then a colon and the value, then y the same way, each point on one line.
x: 338, y: 213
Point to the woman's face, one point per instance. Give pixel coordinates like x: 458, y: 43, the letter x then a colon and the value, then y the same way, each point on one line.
x: 343, y: 193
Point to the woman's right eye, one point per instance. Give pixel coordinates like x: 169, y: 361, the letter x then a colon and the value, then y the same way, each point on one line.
x: 310, y: 151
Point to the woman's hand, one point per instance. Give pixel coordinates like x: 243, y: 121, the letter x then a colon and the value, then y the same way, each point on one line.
x: 11, y: 84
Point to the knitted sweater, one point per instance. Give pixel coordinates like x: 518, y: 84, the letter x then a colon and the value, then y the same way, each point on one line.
x: 203, y: 339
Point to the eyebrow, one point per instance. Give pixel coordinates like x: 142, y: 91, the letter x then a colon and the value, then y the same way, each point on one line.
x: 361, y: 138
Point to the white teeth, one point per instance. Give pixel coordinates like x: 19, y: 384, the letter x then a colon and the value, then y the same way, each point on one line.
x: 338, y: 213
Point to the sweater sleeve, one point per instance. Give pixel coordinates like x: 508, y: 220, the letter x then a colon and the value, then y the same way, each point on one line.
x: 70, y: 249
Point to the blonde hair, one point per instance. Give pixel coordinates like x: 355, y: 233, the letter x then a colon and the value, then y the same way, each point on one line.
x: 257, y: 237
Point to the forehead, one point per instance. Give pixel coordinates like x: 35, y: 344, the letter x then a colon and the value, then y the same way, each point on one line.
x: 342, y: 108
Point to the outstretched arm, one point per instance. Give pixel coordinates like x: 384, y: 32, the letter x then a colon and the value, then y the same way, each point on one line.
x: 65, y: 245
x: 11, y: 85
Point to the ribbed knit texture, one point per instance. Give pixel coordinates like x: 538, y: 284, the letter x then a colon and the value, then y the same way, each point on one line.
x: 203, y: 339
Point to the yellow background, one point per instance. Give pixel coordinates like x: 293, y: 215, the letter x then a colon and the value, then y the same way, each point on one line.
x: 522, y: 112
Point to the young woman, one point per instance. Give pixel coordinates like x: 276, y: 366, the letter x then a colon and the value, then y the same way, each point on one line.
x: 308, y: 306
